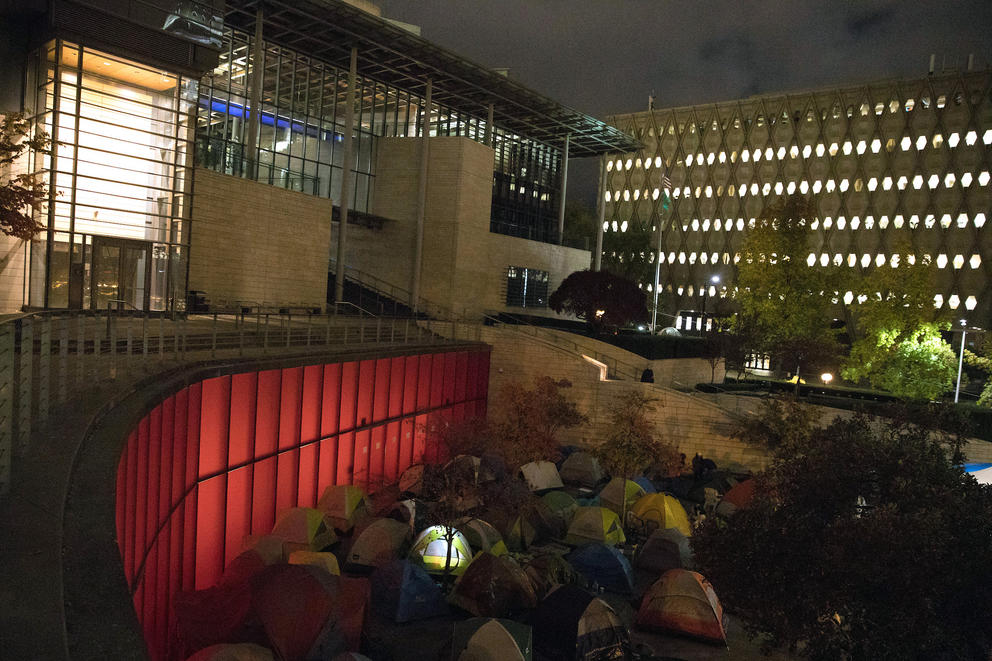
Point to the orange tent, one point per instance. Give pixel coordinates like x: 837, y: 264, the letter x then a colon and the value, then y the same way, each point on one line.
x: 738, y: 498
x: 684, y: 602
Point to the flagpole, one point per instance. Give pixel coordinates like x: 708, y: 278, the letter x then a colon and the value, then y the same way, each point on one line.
x: 666, y: 184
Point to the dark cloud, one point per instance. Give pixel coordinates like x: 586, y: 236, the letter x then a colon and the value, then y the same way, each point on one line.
x: 869, y: 22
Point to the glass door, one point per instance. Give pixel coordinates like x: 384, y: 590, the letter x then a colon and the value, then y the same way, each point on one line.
x: 121, y: 272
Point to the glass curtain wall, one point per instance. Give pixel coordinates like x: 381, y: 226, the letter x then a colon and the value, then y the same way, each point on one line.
x: 300, y: 137
x: 116, y: 219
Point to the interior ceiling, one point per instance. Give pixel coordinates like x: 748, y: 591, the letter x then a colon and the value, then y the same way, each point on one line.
x: 328, y: 29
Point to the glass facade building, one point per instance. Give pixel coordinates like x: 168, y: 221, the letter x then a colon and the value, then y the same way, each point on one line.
x: 890, y: 164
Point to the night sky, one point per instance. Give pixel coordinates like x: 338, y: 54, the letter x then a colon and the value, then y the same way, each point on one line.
x: 606, y: 56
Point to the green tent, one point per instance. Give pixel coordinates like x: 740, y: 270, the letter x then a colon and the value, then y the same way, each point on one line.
x: 434, y: 549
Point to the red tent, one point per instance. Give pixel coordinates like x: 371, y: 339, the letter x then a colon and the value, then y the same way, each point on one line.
x: 684, y: 602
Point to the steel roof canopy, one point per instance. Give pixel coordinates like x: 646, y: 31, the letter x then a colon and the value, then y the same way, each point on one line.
x: 327, y: 30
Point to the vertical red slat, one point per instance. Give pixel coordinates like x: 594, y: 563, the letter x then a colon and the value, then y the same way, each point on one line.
x: 238, y: 520
x: 348, y: 395
x: 193, y: 434
x: 437, y: 379
x: 214, y: 421
x: 189, y: 539
x: 155, y: 473
x: 267, y: 413
x: 391, y: 452
x: 307, y: 486
x: 407, y: 433
x: 179, y: 443
x: 162, y: 587
x: 131, y: 511
x: 397, y: 369
x: 461, y: 376
x: 330, y: 401
x: 167, y: 461
x: 141, y: 504
x: 120, y: 501
x: 380, y: 401
x: 345, y: 458
x: 327, y: 472
x: 287, y: 481
x: 313, y: 381
x: 210, y: 510
x: 244, y: 389
x: 377, y: 459
x: 290, y: 403
x: 263, y: 497
x: 365, y: 393
x: 411, y: 386
x: 360, y: 459
x: 419, y: 438
x: 424, y: 374
x: 450, y: 377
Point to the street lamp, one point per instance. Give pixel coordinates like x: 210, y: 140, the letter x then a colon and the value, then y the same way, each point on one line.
x: 964, y: 332
x: 826, y: 377
x: 715, y: 280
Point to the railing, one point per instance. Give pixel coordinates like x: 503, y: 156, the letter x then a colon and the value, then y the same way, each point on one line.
x: 51, y: 360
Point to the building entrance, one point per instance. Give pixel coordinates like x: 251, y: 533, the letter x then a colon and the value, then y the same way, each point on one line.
x: 121, y: 273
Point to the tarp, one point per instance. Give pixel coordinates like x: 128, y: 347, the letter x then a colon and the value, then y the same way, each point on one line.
x: 665, y: 549
x: 343, y: 504
x: 323, y: 559
x: 547, y: 571
x: 431, y: 551
x: 739, y: 497
x: 655, y: 511
x: 572, y: 624
x: 493, y: 587
x: 482, y: 535
x: 380, y: 542
x: 982, y: 472
x: 403, y: 592
x: 562, y: 506
x: 613, y: 495
x: 604, y: 565
x: 233, y: 652
x: 684, y: 602
x: 582, y: 469
x: 303, y: 529
x: 541, y: 476
x: 595, y: 524
x: 491, y: 639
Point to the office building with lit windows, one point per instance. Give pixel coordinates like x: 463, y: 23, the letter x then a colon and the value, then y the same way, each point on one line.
x: 204, y: 146
x: 889, y: 164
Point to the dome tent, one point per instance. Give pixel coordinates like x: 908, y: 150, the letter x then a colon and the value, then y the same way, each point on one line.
x: 657, y: 511
x: 571, y: 624
x: 404, y: 592
x: 378, y: 543
x: 620, y: 494
x: 665, y: 549
x: 434, y: 549
x: 485, y: 638
x: 604, y: 565
x: 595, y: 524
x: 343, y: 505
x: 493, y: 587
x: 684, y: 602
x: 582, y: 469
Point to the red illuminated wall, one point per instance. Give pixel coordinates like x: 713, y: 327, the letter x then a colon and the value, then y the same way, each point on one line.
x: 216, y: 461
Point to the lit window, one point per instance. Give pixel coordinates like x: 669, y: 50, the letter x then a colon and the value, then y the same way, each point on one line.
x: 941, y: 260
x: 824, y: 259
x: 906, y: 143
x: 817, y: 186
x: 655, y: 194
x: 814, y: 224
x: 791, y: 188
x: 637, y: 164
x: 886, y: 183
x: 804, y: 187
x: 811, y: 260
x: 677, y: 193
x: 970, y: 138
x: 848, y: 298
x: 987, y: 137
x: 980, y: 220
x: 879, y: 259
x: 710, y: 158
x: 953, y: 302
x: 807, y: 151
x: 616, y: 226
x: 949, y: 180
x: 833, y: 148
x: 717, y: 224
x: 879, y: 108
x: 623, y: 226
x: 890, y: 145
x: 723, y: 157
x: 769, y: 154
x: 918, y: 182
x: 844, y: 185
x: 838, y: 259
x: 941, y: 101
x: 619, y: 164
x: 827, y: 223
x: 626, y: 195
x: 855, y: 223
x: 781, y: 153
x: 609, y: 166
x: 657, y: 161
x: 852, y: 259
x: 740, y: 224
x: 921, y: 142
x: 861, y: 147
x: 894, y: 261
x: 930, y: 221
x: 745, y: 156
x: 647, y: 163
x: 901, y: 184
x: 754, y: 189
x: 975, y: 261
x: 966, y: 179
x: 609, y: 196
x: 876, y: 146
x: 848, y: 147
x: 953, y: 139
x: 699, y: 158
x: 629, y: 163
x: 958, y: 261
x: 914, y: 222
x: 910, y: 104
x: 706, y: 225
x: 983, y: 178
x: 869, y: 222
x: 820, y: 149
x: 883, y: 222
x: 858, y: 185
x: 945, y: 220
x: 695, y: 225
x: 893, y: 105
x: 897, y: 222
x: 778, y: 188
x: 841, y: 222
x: 934, y: 181
x: 865, y: 261
x: 692, y: 259
x: 709, y: 191
x: 831, y: 185
x: 938, y: 301
x: 681, y: 258
x: 766, y: 189
x: 962, y: 220
x: 637, y: 194
x: 703, y: 258
x: 971, y: 302
x: 697, y: 192
x: 606, y: 226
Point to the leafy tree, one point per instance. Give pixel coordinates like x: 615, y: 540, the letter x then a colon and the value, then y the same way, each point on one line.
x: 22, y: 192
x: 898, y: 344
x: 864, y: 541
x: 601, y: 298
x: 786, y: 302
x: 633, y: 442
x: 982, y: 359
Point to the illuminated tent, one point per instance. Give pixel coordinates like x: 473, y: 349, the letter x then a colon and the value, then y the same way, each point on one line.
x: 683, y: 602
x: 582, y: 469
x: 604, y: 565
x: 595, y: 524
x: 378, y: 543
x: 403, y: 592
x: 571, y: 624
x: 491, y: 639
x: 233, y: 652
x: 432, y: 551
x: 738, y: 497
x: 665, y: 549
x: 657, y: 511
x: 541, y: 476
x: 322, y: 559
x: 482, y: 536
x: 620, y: 494
x: 303, y: 529
x: 343, y: 504
x: 562, y: 506
x: 493, y: 587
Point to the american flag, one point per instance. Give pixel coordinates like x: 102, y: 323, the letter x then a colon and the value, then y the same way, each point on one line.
x: 666, y: 183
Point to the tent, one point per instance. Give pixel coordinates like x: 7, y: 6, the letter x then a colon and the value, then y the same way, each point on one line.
x: 482, y: 536
x: 402, y: 591
x: 412, y: 480
x: 572, y: 624
x: 982, y: 472
x: 683, y: 601
x: 534, y: 523
x: 378, y: 543
x: 541, y: 476
x: 493, y: 587
x: 646, y: 484
x: 323, y: 559
x: 562, y: 507
x: 212, y: 616
x: 351, y: 656
x: 582, y: 469
x: 604, y: 565
x: 718, y: 480
x: 546, y: 571
x: 739, y: 497
x: 303, y: 529
x: 595, y: 524
x: 491, y: 639
x: 665, y: 549
x: 656, y: 511
x: 404, y: 511
x: 471, y: 467
x: 432, y: 551
x: 620, y: 494
x: 233, y: 652
x: 343, y: 504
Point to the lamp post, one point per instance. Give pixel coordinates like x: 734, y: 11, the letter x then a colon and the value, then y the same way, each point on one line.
x: 964, y: 331
x: 714, y: 280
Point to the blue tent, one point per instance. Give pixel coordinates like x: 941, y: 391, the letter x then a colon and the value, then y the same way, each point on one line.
x: 605, y: 565
x: 402, y: 591
x: 645, y: 484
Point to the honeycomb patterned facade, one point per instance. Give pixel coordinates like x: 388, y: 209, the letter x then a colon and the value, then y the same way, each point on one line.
x: 889, y: 164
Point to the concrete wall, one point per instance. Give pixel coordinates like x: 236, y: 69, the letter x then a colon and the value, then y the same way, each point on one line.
x: 464, y: 264
x: 13, y: 254
x: 258, y: 243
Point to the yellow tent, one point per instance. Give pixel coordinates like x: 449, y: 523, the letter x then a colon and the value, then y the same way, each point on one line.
x: 303, y: 529
x: 343, y: 504
x: 595, y: 524
x: 611, y: 498
x: 431, y: 551
x: 659, y: 511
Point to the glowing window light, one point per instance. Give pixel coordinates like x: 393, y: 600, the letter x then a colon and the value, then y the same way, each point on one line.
x: 906, y: 143
x: 781, y: 153
x: 894, y: 261
x: 953, y: 302
x: 769, y: 154
x: 803, y: 186
x: 723, y: 157
x: 941, y: 261
x: 848, y: 147
x: 901, y: 184
x: 921, y: 142
x: 740, y: 224
x: 609, y: 166
x: 820, y: 150
x: 983, y: 178
x: 958, y: 261
x: 655, y: 194
x: 745, y: 156
x: 872, y: 184
x: 623, y: 226
x: 945, y: 220
x: 852, y: 260
x: 844, y: 185
x: 938, y: 301
x: 876, y: 146
x: 710, y: 158
x: 824, y: 259
x: 918, y: 182
x: 609, y: 196
x: 862, y: 146
x: 975, y: 261
x: 848, y: 297
x: 886, y: 183
x: 778, y: 188
x: 807, y: 151
x: 855, y: 223
x: 637, y: 194
x: 831, y: 186
x: 914, y: 222
x: 616, y: 226
x: 629, y: 163
x: 865, y: 261
x: 934, y: 181
x: 971, y: 303
x: 970, y: 138
x: 811, y: 260
x: 817, y: 186
x: 879, y: 259
x: 841, y: 222
x: 979, y: 220
x: 606, y: 226
x: 657, y: 161
x: 987, y: 137
x: 883, y: 222
x: 966, y: 179
x: 827, y: 223
x: 626, y: 195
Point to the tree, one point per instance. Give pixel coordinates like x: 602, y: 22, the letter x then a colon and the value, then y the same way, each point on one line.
x: 982, y: 359
x: 630, y: 254
x: 864, y: 541
x: 601, y: 298
x: 788, y: 302
x: 580, y: 224
x: 23, y: 192
x: 898, y: 345
x: 633, y: 442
